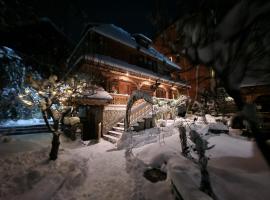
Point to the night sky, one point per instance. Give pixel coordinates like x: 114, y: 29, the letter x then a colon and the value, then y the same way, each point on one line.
x: 72, y: 15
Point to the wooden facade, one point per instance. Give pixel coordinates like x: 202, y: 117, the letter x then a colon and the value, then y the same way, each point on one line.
x: 199, y: 77
x: 124, y: 65
x: 258, y: 94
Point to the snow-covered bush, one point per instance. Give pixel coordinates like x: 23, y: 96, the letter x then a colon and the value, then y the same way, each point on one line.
x: 12, y: 76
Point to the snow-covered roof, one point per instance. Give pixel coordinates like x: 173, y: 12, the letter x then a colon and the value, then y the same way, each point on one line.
x: 256, y: 78
x: 120, y: 35
x: 106, y: 60
x: 100, y: 93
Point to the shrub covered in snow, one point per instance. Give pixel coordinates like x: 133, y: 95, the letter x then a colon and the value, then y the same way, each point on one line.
x: 12, y: 75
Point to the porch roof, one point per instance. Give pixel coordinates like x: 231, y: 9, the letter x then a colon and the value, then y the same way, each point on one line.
x: 99, y: 97
x: 99, y: 93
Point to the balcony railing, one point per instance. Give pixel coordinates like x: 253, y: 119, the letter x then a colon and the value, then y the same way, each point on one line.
x: 119, y: 99
x: 122, y: 99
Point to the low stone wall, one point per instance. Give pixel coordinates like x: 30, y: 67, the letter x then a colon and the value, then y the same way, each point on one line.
x: 112, y: 114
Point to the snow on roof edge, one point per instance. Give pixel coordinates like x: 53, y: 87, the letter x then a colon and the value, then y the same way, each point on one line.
x: 125, y: 66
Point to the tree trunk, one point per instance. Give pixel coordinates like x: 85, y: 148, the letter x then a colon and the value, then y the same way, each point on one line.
x: 55, y: 147
x: 183, y: 140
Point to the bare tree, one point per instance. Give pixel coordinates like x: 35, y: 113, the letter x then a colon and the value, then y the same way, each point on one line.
x: 55, y: 102
x: 232, y: 37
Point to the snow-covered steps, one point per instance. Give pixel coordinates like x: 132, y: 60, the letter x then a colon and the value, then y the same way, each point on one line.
x: 120, y: 129
x: 20, y: 130
x: 110, y: 138
x: 121, y: 124
x: 115, y: 134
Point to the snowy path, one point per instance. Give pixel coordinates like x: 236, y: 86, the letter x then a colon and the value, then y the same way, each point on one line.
x: 86, y: 172
x: 117, y: 175
x: 101, y: 172
x: 106, y: 176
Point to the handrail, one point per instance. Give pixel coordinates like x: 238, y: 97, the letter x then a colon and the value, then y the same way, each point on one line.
x: 136, y: 111
x: 140, y: 112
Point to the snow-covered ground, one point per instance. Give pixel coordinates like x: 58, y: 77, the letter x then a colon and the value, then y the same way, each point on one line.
x: 101, y: 171
x: 22, y: 122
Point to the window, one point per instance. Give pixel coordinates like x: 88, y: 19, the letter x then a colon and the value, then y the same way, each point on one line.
x: 154, y: 66
x: 160, y: 93
x: 140, y: 61
x: 212, y: 73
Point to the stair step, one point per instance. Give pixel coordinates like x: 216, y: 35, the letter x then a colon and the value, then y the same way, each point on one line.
x: 115, y: 133
x: 110, y: 138
x: 121, y: 124
x: 121, y: 129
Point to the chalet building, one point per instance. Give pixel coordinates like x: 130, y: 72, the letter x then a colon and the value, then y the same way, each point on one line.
x: 121, y: 63
x: 199, y: 77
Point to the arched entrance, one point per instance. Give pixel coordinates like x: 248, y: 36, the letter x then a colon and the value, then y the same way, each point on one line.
x: 135, y: 96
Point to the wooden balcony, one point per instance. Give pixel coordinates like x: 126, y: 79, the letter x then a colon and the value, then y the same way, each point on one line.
x: 122, y: 99
x: 119, y: 99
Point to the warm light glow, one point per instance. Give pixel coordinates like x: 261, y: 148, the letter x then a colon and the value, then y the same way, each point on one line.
x: 127, y: 74
x: 212, y: 73
x: 24, y: 101
x: 41, y: 93
x: 162, y: 86
x: 228, y: 99
x: 27, y: 91
x: 69, y: 91
x: 28, y: 103
x: 124, y: 78
x: 146, y: 83
x: 173, y: 88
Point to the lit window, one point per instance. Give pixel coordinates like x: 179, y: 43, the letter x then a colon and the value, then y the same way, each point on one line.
x: 212, y: 73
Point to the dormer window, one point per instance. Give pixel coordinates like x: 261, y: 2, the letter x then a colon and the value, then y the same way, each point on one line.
x: 142, y: 40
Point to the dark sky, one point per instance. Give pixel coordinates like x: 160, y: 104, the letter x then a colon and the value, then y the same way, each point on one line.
x: 71, y: 15
x: 132, y: 15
